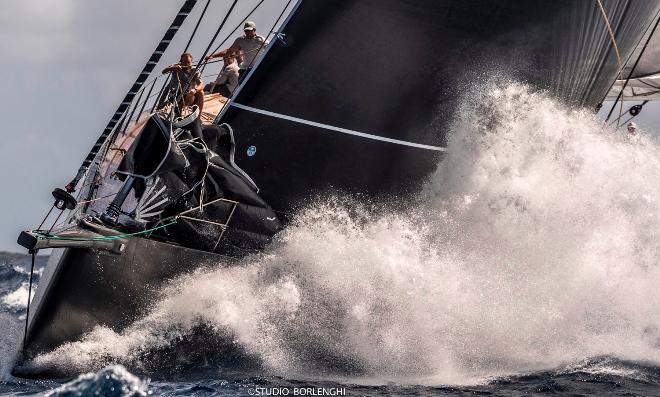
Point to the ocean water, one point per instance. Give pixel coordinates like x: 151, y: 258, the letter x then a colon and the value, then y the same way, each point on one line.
x: 529, y: 265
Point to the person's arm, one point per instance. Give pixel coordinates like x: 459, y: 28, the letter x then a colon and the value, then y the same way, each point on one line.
x: 216, y: 55
x: 172, y: 68
x: 234, y: 48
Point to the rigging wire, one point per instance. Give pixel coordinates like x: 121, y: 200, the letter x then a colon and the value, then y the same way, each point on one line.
x: 145, y: 101
x: 46, y: 217
x: 270, y: 32
x: 27, y: 313
x: 97, y: 198
x: 161, y: 93
x: 192, y: 36
x: 96, y: 179
x: 197, y: 26
x: 237, y: 26
x: 128, y: 98
x: 48, y: 236
x: 639, y: 109
x: 111, y: 132
x: 206, y: 51
x: 128, y: 120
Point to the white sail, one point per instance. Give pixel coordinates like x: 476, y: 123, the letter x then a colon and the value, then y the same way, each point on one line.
x: 639, y: 89
x: 644, y: 71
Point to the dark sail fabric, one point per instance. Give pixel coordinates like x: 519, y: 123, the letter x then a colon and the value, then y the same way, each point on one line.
x: 331, y: 103
x: 180, y: 175
x: 151, y: 153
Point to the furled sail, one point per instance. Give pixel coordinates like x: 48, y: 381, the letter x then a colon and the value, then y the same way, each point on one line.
x: 188, y: 174
x: 358, y: 96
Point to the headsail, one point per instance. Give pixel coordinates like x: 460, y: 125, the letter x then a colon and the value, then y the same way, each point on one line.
x: 356, y: 94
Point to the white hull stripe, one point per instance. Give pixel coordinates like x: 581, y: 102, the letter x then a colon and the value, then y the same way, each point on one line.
x: 338, y: 129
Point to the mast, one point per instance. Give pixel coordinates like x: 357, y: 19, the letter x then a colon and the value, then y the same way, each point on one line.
x: 181, y: 16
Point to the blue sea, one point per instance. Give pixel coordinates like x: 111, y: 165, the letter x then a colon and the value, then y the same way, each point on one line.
x: 529, y: 265
x: 595, y: 376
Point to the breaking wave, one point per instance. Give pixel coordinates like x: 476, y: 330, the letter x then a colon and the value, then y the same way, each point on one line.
x: 113, y: 381
x: 16, y: 299
x: 14, y: 281
x: 534, y: 245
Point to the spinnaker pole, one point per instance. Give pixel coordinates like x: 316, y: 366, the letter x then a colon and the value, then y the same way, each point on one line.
x: 128, y: 99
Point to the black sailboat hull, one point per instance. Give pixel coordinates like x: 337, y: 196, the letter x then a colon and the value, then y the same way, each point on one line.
x: 90, y: 287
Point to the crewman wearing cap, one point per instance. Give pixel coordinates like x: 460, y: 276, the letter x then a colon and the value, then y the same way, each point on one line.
x: 248, y: 47
x: 632, y: 128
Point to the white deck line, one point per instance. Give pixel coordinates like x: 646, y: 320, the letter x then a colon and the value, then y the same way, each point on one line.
x: 338, y: 129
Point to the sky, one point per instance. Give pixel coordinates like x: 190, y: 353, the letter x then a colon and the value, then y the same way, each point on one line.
x: 68, y: 64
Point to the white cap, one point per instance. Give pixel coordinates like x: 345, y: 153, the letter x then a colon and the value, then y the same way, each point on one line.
x: 249, y: 25
x: 632, y: 125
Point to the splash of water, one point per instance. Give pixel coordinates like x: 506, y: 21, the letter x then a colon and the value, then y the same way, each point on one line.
x: 534, y: 244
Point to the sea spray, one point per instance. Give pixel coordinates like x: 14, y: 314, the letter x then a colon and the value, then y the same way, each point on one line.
x: 534, y: 244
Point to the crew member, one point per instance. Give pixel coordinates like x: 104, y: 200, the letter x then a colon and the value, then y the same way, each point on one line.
x: 248, y: 47
x: 632, y: 128
x: 182, y: 74
x: 227, y: 80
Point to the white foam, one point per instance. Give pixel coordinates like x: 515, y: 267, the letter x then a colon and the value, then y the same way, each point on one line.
x: 534, y: 244
x: 17, y: 299
x: 605, y: 366
x: 19, y: 269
